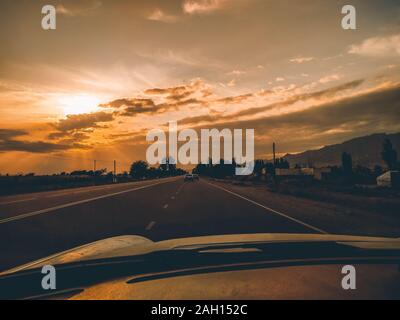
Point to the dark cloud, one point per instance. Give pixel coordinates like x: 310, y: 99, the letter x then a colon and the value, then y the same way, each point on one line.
x: 198, y: 119
x: 169, y: 91
x: 121, y: 135
x: 175, y: 93
x: 179, y: 97
x: 83, y: 121
x: 377, y: 111
x: 76, y: 128
x: 6, y: 134
x: 369, y: 109
x: 180, y: 103
x: 36, y: 146
x: 58, y: 135
x: 132, y: 107
x: 9, y: 143
x: 172, y: 98
x: 180, y: 93
x: 331, y: 92
x: 234, y: 99
x: 176, y: 97
x: 145, y: 104
x: 69, y: 138
x: 318, y: 95
x: 194, y: 94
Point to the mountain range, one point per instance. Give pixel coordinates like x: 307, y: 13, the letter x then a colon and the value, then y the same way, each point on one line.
x: 365, y: 151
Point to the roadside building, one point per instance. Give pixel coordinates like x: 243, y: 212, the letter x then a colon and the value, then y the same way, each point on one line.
x: 294, y: 172
x: 322, y: 174
x: 389, y: 179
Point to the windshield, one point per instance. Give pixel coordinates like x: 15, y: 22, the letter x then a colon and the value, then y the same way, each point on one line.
x: 195, y: 134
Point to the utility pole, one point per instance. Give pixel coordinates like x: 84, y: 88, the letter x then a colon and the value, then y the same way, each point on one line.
x: 115, y: 171
x: 273, y: 151
x: 274, y: 156
x: 94, y: 172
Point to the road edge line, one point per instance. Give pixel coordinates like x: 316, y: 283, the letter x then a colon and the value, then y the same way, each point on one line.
x: 270, y: 209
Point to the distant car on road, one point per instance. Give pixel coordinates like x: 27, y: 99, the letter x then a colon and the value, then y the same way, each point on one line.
x: 195, y: 176
x: 190, y: 177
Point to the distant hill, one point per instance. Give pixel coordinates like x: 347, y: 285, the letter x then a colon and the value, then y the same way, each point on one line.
x: 365, y: 151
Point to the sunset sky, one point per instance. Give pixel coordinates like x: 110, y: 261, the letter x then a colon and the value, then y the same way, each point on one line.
x: 113, y: 69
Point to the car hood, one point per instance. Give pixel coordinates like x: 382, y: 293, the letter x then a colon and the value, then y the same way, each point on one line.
x: 131, y: 245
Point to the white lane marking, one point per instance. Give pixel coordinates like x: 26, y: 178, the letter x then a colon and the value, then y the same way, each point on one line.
x: 165, y: 206
x: 74, y: 191
x: 35, y: 213
x: 172, y: 198
x: 16, y: 201
x: 180, y: 188
x: 99, y: 188
x: 94, y: 189
x: 150, y: 225
x: 270, y: 209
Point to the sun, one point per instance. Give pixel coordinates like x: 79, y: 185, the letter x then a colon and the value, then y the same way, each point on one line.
x: 78, y: 104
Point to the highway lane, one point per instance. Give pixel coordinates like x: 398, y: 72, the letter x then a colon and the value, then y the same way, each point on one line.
x: 15, y: 206
x: 159, y: 211
x: 203, y: 209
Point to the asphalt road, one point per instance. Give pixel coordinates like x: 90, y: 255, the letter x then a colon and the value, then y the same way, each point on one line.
x: 33, y: 226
